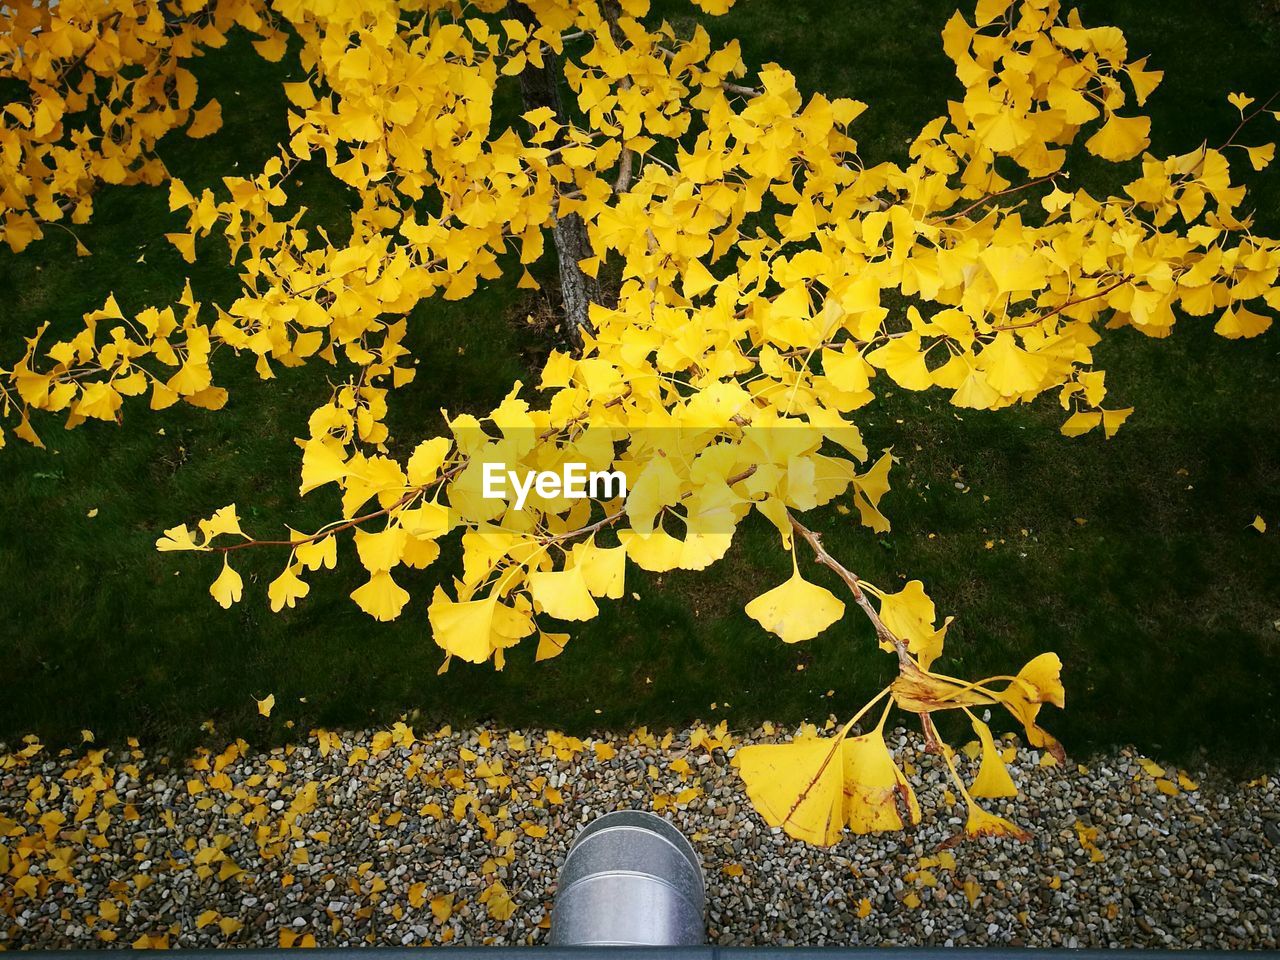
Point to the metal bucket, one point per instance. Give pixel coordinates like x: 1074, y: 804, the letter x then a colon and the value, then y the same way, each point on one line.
x: 630, y: 879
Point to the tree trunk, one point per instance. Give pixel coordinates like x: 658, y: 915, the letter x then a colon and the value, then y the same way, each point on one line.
x: 541, y: 88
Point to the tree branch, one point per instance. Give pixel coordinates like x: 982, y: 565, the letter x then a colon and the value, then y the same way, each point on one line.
x: 883, y: 633
x: 1066, y: 306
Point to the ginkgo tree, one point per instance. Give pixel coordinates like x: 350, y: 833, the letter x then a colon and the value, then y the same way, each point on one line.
x: 765, y: 280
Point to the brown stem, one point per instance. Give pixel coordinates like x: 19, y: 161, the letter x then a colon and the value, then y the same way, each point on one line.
x: 589, y: 528
x: 1070, y: 303
x: 354, y: 521
x: 883, y: 633
x: 1001, y: 193
x: 1245, y: 119
x: 932, y: 743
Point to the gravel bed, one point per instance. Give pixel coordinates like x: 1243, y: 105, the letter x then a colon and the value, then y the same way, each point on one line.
x: 392, y: 838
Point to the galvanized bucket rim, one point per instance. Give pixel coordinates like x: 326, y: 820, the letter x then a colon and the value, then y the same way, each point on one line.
x: 626, y: 820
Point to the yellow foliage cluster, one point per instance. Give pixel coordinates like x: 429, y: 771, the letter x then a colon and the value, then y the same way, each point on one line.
x: 103, y: 81
x: 758, y: 256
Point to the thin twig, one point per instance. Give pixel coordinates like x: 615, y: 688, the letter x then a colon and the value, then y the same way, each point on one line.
x: 348, y: 524
x: 1070, y: 303
x: 1001, y: 193
x: 851, y: 580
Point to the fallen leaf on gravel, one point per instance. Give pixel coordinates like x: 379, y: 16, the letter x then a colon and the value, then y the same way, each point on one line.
x: 972, y: 891
x: 1152, y: 768
x: 1087, y: 836
x: 442, y: 907
x: 498, y: 901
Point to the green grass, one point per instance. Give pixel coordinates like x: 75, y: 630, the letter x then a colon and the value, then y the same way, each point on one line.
x: 1131, y: 558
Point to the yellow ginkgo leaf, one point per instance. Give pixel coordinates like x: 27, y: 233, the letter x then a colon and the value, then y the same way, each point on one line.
x: 910, y: 615
x: 903, y: 360
x: 656, y: 552
x: 382, y: 598
x: 322, y: 462
x: 272, y: 48
x: 1112, y: 420
x: 205, y: 121
x: 1260, y: 157
x: 1144, y: 81
x: 1152, y: 768
x: 1236, y: 323
x: 498, y: 901
x: 1259, y: 524
x: 1037, y: 683
x: 797, y: 786
x: 427, y: 458
x: 603, y: 569
x: 993, y: 778
x: 177, y: 538
x: 797, y: 609
x: 442, y: 907
x: 315, y: 554
x: 1042, y: 675
x: 381, y: 550
x: 462, y: 628
x: 873, y: 785
x: 223, y: 521
x: 227, y: 589
x: 1081, y: 423
x: 550, y: 645
x: 972, y: 891
x: 563, y: 594
x: 981, y: 823
x: 266, y: 704
x: 287, y: 589
x: 1120, y: 138
x: 656, y: 487
x: 1009, y: 368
